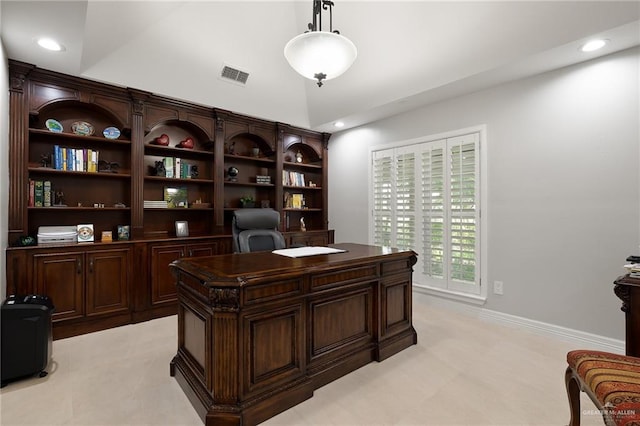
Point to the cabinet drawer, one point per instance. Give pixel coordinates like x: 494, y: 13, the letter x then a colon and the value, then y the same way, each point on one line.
x: 270, y: 291
x: 342, y: 276
x: 395, y: 267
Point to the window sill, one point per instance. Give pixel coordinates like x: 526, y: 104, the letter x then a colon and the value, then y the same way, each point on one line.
x: 451, y: 295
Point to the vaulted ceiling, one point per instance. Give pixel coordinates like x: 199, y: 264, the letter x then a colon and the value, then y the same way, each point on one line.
x: 410, y: 53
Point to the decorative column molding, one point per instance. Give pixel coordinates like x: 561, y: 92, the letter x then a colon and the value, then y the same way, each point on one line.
x: 18, y: 149
x: 138, y: 98
x: 624, y: 293
x: 224, y: 299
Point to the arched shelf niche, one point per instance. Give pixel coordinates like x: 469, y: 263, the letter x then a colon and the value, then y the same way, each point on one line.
x: 244, y: 143
x: 67, y: 112
x: 177, y: 132
x: 308, y: 153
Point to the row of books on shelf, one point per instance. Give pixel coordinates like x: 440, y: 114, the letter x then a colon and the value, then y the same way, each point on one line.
x: 633, y: 267
x: 175, y: 167
x: 41, y: 194
x: 294, y: 201
x: 75, y: 159
x: 291, y: 178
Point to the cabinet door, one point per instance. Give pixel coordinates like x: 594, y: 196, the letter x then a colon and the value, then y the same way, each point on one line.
x: 201, y: 250
x: 107, y: 281
x: 309, y: 239
x: 163, y: 285
x: 61, y: 277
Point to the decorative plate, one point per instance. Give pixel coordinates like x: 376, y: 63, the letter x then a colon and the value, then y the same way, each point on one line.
x: 53, y: 125
x: 111, y: 133
x: 82, y: 128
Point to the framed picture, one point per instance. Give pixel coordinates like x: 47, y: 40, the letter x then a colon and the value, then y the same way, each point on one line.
x: 176, y: 197
x: 123, y: 232
x: 85, y: 233
x: 182, y: 228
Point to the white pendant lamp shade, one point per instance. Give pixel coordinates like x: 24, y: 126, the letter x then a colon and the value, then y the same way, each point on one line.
x: 320, y: 55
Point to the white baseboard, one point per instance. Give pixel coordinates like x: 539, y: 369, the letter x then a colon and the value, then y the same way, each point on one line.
x: 581, y: 339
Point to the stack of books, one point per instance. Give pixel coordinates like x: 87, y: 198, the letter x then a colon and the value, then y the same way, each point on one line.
x: 633, y: 267
x: 290, y: 178
x: 77, y: 160
x: 41, y: 194
x: 178, y: 168
x: 152, y: 204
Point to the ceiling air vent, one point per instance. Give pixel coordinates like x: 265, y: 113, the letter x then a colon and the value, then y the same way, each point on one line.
x: 234, y: 74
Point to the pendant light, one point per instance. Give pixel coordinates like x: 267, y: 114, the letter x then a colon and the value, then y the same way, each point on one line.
x: 320, y: 55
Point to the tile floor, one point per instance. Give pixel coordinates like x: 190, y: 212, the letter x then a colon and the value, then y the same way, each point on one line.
x: 463, y: 371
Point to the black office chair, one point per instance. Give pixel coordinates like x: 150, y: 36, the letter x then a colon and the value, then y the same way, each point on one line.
x: 256, y: 230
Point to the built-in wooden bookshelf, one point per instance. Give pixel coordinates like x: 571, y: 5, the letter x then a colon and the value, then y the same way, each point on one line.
x: 116, y: 180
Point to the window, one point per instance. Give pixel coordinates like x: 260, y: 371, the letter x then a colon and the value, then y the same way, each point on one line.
x: 425, y: 197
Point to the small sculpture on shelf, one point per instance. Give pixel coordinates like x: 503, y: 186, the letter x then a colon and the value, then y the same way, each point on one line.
x: 256, y: 151
x: 187, y: 143
x: 298, y: 157
x: 58, y: 198
x: 158, y: 169
x: 108, y: 166
x: 303, y: 227
x: 232, y: 172
x: 231, y: 148
x: 162, y: 140
x: 45, y: 160
x: 194, y: 171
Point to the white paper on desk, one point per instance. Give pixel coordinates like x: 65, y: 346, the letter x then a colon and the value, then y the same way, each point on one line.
x: 307, y: 251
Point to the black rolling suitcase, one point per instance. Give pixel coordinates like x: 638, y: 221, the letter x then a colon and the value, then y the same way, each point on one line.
x: 26, y: 336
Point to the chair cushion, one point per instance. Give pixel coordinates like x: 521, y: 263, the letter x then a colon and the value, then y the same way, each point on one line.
x: 257, y: 218
x: 260, y: 240
x: 613, y: 379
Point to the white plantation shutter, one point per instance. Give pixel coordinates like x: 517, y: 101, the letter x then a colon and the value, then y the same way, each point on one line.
x: 405, y: 202
x: 382, y: 196
x: 425, y: 198
x: 463, y: 213
x: 433, y: 213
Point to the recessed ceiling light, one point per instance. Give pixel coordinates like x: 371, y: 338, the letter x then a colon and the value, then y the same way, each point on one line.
x: 338, y: 124
x: 50, y: 44
x: 592, y: 45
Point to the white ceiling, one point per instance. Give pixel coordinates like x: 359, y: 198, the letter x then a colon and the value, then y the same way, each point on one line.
x: 410, y: 53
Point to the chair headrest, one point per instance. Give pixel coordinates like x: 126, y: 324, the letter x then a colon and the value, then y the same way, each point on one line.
x: 257, y: 218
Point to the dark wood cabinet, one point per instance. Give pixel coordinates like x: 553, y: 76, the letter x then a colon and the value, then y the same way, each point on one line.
x: 162, y: 254
x: 60, y: 275
x: 86, y: 284
x: 163, y: 286
x: 93, y: 175
x: 107, y: 281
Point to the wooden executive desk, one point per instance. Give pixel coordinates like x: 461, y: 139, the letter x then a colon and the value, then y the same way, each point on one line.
x: 258, y: 332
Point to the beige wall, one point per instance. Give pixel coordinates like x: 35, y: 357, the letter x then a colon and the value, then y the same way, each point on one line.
x: 563, y: 188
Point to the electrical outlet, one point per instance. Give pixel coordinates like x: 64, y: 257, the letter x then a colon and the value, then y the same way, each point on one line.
x: 498, y: 287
